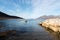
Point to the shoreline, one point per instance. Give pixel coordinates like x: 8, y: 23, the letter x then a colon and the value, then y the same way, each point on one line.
x: 53, y: 24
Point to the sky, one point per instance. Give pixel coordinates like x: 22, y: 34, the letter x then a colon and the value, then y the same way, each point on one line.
x: 30, y: 8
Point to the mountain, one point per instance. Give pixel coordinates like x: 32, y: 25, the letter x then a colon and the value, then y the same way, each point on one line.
x: 5, y: 16
x: 49, y: 17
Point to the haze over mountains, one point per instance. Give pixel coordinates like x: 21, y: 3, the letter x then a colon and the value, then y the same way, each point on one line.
x: 49, y: 17
x: 5, y: 16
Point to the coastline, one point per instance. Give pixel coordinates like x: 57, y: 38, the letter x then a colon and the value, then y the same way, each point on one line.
x: 53, y: 24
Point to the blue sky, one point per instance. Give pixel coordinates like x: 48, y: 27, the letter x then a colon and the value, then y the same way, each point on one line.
x: 30, y: 8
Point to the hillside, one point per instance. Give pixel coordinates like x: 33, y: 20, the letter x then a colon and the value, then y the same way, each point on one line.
x: 5, y: 16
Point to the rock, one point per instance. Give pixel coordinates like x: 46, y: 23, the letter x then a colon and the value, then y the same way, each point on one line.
x: 53, y: 24
x: 7, y: 33
x: 1, y: 26
x: 3, y: 33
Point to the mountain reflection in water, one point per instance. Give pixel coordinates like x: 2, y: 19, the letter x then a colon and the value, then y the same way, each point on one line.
x: 21, y: 30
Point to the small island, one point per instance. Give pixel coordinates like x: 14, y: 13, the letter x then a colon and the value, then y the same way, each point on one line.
x: 53, y: 24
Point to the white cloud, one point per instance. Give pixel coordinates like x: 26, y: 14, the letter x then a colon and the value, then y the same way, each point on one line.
x: 44, y: 7
x: 36, y: 8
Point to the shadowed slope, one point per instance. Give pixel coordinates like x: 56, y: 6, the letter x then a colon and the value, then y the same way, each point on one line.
x: 5, y: 16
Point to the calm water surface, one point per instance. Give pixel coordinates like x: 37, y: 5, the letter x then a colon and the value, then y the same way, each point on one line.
x: 29, y: 30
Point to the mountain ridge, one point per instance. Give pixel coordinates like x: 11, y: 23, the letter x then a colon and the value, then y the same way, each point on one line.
x: 49, y: 17
x: 6, y: 16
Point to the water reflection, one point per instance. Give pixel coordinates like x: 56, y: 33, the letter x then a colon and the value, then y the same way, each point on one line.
x: 26, y: 30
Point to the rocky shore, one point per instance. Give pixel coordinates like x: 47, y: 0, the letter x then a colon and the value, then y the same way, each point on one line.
x: 53, y: 24
x: 7, y: 34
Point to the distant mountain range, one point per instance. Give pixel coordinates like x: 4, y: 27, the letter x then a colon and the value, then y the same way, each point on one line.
x: 6, y: 16
x: 49, y: 17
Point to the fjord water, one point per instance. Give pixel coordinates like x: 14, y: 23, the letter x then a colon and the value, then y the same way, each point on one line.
x: 30, y: 30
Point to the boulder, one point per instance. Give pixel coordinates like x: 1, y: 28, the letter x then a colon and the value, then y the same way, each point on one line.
x: 53, y: 24
x: 7, y: 33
